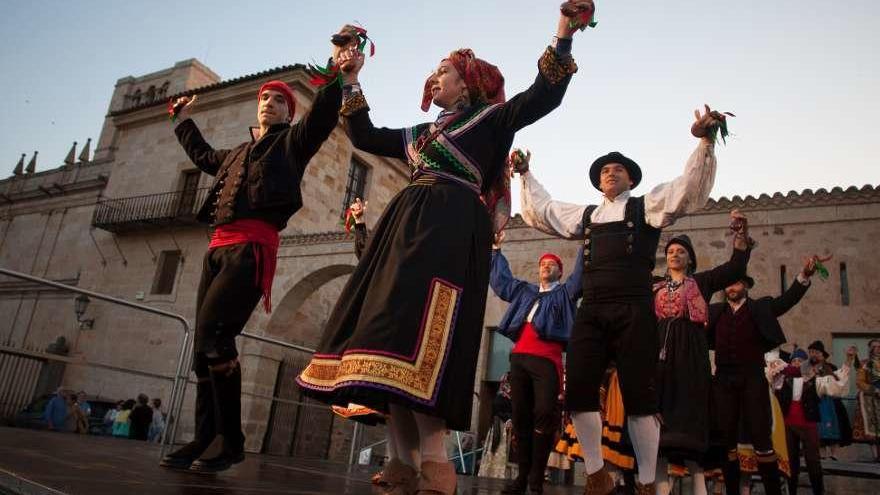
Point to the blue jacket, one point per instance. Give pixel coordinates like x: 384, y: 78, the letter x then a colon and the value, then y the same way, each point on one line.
x: 555, y: 314
x: 56, y: 412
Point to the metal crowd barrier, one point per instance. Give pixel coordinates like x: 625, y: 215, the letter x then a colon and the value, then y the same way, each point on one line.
x: 180, y: 379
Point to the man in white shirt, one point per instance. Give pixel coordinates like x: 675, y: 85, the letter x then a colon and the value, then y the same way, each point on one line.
x: 616, y: 319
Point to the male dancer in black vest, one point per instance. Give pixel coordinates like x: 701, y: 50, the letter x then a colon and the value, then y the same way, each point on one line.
x: 256, y: 189
x: 740, y: 331
x: 616, y: 319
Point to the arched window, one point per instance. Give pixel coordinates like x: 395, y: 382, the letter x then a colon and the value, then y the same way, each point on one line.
x: 136, y: 98
x: 163, y: 91
x: 150, y: 95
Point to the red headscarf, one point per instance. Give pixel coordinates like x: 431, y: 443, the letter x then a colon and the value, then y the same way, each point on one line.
x: 552, y: 257
x: 285, y: 91
x: 484, y: 81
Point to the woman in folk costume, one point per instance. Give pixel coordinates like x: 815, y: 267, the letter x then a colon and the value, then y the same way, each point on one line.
x: 405, y: 334
x: 683, y: 373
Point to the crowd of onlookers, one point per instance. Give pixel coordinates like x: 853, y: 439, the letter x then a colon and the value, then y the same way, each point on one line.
x: 140, y: 419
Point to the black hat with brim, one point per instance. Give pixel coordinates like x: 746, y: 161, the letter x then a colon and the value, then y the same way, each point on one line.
x: 684, y: 241
x: 635, y: 173
x: 819, y: 346
x: 749, y: 281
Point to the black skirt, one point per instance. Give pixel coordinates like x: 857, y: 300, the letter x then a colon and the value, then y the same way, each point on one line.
x: 408, y: 324
x: 683, y: 383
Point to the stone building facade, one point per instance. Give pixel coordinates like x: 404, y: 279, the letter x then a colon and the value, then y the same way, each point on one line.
x: 122, y: 223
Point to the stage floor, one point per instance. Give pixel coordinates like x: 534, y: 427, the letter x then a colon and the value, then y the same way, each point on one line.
x: 41, y: 462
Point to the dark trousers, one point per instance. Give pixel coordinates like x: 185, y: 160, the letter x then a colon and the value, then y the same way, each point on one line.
x: 742, y: 394
x: 228, y: 293
x: 534, y: 394
x: 625, y: 332
x: 809, y: 438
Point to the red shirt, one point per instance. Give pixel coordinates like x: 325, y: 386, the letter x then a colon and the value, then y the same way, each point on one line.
x: 530, y: 343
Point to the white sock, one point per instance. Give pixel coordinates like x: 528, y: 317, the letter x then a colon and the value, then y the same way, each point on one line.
x: 698, y: 478
x: 432, y: 434
x: 403, y: 430
x: 588, y: 427
x: 644, y: 431
x: 661, y: 483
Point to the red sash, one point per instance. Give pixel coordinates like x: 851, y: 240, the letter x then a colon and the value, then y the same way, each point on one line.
x: 265, y: 240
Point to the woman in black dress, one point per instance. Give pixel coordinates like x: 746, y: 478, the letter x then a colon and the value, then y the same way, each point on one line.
x: 683, y: 375
x: 405, y: 334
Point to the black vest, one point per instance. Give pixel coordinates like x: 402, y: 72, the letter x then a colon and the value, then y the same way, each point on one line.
x: 619, y: 256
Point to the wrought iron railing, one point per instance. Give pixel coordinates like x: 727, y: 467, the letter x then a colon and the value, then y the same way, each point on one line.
x: 150, y: 210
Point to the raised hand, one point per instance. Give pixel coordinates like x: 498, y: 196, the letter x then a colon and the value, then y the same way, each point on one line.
x: 518, y: 161
x: 739, y: 225
x: 182, y: 107
x: 707, y: 124
x: 358, y: 208
x: 813, y: 263
x: 574, y: 15
x: 499, y: 238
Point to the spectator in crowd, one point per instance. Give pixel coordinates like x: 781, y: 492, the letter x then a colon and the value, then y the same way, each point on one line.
x: 141, y: 418
x: 83, y: 403
x: 78, y: 418
x: 158, y: 424
x: 110, y: 417
x: 56, y: 411
x: 122, y: 424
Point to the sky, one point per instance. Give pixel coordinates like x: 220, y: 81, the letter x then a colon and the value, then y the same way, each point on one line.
x: 801, y: 76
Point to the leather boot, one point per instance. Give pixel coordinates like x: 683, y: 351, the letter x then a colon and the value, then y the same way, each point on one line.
x: 437, y: 478
x: 399, y: 478
x: 206, y: 429
x: 599, y: 483
x: 228, y: 446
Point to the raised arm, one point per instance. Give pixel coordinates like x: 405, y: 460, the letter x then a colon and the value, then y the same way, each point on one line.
x: 798, y: 288
x: 501, y: 279
x: 203, y: 156
x: 307, y: 135
x: 573, y: 284
x: 363, y: 134
x: 555, y: 68
x: 547, y: 215
x: 711, y: 281
x: 688, y: 193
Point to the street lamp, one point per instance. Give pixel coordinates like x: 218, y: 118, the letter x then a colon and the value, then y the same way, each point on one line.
x: 79, y: 307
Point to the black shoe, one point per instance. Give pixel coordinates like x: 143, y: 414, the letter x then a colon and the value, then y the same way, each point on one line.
x: 515, y: 487
x: 218, y: 463
x: 183, y: 457
x: 536, y: 489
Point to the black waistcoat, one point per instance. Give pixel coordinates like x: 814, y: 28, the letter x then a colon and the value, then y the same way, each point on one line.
x: 619, y: 256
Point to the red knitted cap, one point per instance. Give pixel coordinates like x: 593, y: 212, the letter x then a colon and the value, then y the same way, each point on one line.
x: 551, y: 256
x: 285, y: 90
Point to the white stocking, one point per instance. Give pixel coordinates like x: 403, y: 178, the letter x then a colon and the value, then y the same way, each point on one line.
x: 403, y: 430
x: 588, y: 426
x: 644, y: 430
x: 432, y: 434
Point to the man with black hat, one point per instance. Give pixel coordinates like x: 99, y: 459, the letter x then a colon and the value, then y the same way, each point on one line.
x: 256, y: 190
x: 741, y: 330
x: 620, y: 246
